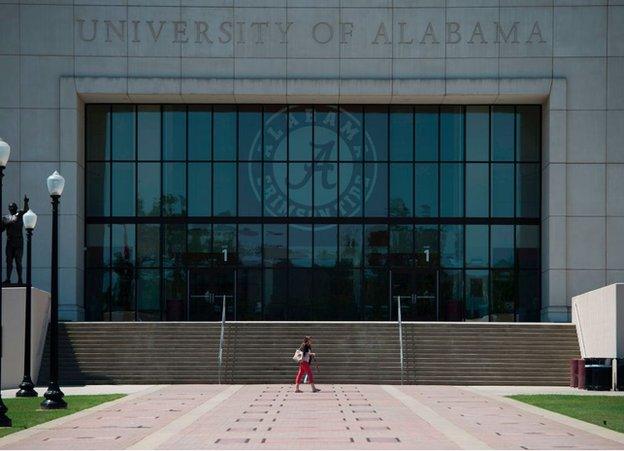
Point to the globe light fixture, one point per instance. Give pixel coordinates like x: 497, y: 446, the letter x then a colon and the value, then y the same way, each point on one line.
x: 27, y: 387
x: 54, y: 396
x: 5, y: 152
x: 56, y: 183
x: 30, y: 220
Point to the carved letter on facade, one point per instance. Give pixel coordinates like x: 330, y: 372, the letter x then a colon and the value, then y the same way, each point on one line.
x: 381, y: 32
x: 326, y: 35
x: 179, y: 32
x: 477, y: 31
x: 346, y: 30
x: 429, y: 32
x: 501, y: 33
x: 452, y: 33
x: 284, y: 31
x: 119, y: 32
x: 155, y: 34
x: 536, y: 31
x: 81, y: 30
x: 226, y: 29
x: 258, y: 26
x: 201, y: 28
x: 402, y: 34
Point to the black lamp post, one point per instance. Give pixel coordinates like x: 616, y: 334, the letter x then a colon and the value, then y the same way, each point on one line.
x: 5, y: 151
x: 54, y: 396
x: 27, y: 388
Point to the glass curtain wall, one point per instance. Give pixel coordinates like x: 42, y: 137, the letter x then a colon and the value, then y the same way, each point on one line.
x: 317, y: 212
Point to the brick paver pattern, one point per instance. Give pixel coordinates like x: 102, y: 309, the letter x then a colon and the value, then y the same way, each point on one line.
x: 339, y: 417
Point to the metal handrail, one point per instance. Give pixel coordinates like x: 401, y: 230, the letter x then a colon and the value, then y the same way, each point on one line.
x: 222, y: 338
x: 400, y: 323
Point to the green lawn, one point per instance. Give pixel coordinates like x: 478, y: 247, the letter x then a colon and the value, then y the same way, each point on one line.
x: 607, y: 411
x: 26, y: 412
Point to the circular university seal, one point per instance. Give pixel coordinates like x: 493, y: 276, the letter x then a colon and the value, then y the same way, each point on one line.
x: 305, y: 179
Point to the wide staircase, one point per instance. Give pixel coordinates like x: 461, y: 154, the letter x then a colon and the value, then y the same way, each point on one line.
x: 260, y: 352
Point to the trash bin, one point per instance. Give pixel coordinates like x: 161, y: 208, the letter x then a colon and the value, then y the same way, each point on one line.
x: 598, y: 374
x: 574, y: 372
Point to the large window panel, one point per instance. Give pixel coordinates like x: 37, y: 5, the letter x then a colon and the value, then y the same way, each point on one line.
x: 250, y: 132
x: 325, y: 189
x: 199, y: 249
x: 477, y: 295
x: 300, y: 133
x: 148, y: 189
x: 275, y: 189
x: 401, y: 245
x: 97, y: 294
x: 376, y: 245
x: 451, y: 295
x: 477, y: 133
x: 174, y: 252
x: 174, y: 189
x: 325, y: 134
x: 426, y: 120
x: 401, y: 133
x: 97, y: 132
x: 477, y: 246
x: 451, y: 190
x: 502, y: 246
x: 351, y: 134
x: 528, y: 190
x: 451, y: 246
x: 528, y: 134
x: 199, y: 132
x: 275, y: 245
x: 376, y: 133
x: 427, y: 242
x: 174, y: 132
x: 148, y: 245
x: 123, y: 189
x: 503, y: 296
x: 224, y: 189
x: 123, y: 132
x: 350, y: 245
x: 401, y: 189
x: 148, y: 295
x: 224, y: 247
x: 477, y: 190
x: 300, y: 245
x: 249, y: 180
x: 200, y: 189
x: 451, y: 133
x: 426, y: 190
x: 351, y: 189
x: 98, y: 246
x: 148, y: 132
x: 300, y: 181
x: 98, y: 189
x: 502, y: 190
x: 275, y: 133
x: 224, y: 124
x: 250, y: 244
x: 503, y: 138
x: 528, y: 246
x: 325, y: 245
x: 376, y: 189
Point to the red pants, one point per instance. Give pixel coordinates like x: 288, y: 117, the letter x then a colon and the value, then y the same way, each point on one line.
x: 304, y: 368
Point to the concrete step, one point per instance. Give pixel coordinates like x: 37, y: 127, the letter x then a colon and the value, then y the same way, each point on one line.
x: 440, y: 353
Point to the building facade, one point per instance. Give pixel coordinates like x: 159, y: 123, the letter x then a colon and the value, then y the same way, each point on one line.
x: 317, y: 160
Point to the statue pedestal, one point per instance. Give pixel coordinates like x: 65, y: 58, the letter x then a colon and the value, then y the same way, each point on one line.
x: 13, y: 311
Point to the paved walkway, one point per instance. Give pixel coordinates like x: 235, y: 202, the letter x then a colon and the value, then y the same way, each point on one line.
x: 341, y: 416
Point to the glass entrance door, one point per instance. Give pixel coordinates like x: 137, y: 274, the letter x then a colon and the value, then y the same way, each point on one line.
x: 207, y: 286
x: 419, y: 294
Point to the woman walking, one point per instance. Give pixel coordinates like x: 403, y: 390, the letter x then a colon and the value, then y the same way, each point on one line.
x: 304, y: 365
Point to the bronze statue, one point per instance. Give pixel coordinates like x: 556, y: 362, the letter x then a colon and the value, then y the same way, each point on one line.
x: 13, y: 225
